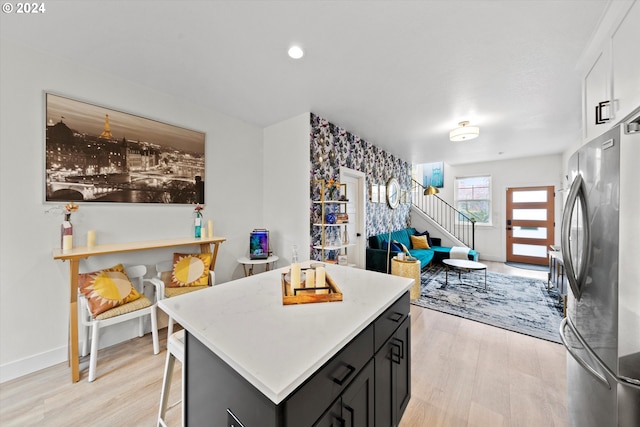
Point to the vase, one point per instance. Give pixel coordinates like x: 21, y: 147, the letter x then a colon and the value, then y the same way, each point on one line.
x: 330, y: 218
x: 198, y: 225
x: 66, y: 234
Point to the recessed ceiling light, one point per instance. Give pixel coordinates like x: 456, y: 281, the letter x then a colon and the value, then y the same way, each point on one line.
x: 296, y: 52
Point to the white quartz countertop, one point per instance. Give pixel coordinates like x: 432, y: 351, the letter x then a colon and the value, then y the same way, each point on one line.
x: 277, y: 347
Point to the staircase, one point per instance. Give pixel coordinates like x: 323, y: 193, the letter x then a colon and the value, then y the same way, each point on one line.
x: 452, y: 221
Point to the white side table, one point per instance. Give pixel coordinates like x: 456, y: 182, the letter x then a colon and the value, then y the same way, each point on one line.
x: 246, y: 261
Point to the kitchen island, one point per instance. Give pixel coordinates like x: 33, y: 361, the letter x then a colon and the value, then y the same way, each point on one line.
x: 252, y: 361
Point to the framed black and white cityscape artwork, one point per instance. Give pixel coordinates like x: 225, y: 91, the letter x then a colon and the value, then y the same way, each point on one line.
x: 96, y: 154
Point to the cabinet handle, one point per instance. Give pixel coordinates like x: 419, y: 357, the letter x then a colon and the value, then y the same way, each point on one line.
x: 396, y: 317
x: 400, y: 344
x: 351, y: 413
x: 341, y: 381
x: 395, y: 356
x: 599, y: 109
x: 341, y: 421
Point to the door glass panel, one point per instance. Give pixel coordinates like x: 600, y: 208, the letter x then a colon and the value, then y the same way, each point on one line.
x: 529, y: 196
x: 530, y: 214
x: 530, y: 250
x: 530, y: 232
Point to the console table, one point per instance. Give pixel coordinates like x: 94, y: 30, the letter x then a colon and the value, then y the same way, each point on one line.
x: 82, y: 252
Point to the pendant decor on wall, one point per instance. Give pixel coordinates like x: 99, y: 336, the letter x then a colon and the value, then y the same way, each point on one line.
x: 97, y: 154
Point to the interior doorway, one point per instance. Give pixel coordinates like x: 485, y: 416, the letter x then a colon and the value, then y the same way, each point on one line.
x: 355, y: 181
x: 530, y: 224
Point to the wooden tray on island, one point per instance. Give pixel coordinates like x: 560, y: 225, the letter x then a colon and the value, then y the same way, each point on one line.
x: 304, y: 295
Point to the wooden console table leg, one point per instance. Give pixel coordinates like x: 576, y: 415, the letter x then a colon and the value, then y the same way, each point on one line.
x: 205, y: 248
x: 74, y: 361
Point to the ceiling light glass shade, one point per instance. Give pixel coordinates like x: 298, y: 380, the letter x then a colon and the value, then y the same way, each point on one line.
x: 464, y: 132
x: 431, y: 190
x: 296, y: 52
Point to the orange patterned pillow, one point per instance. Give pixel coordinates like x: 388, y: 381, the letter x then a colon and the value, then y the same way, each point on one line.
x: 190, y: 270
x: 106, y: 289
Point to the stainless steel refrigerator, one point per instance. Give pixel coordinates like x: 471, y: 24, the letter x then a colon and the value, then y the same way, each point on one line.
x: 601, y: 253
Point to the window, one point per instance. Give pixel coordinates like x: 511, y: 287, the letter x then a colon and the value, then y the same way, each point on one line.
x: 473, y: 198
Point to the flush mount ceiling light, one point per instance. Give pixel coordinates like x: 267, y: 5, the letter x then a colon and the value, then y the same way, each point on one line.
x: 464, y: 132
x: 296, y: 52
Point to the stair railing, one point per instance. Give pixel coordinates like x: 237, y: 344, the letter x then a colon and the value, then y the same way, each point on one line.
x: 456, y: 223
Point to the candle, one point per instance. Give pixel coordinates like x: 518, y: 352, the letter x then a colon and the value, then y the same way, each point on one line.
x: 91, y: 239
x: 203, y: 233
x: 311, y: 278
x: 320, y: 279
x: 210, y: 227
x: 67, y: 243
x: 295, y: 275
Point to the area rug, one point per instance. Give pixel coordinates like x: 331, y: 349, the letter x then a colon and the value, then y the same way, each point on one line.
x: 515, y: 303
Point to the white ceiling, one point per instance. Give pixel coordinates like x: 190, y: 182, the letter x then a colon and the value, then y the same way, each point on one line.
x: 400, y: 74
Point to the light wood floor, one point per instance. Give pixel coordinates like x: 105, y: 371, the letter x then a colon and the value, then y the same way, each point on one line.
x: 464, y: 373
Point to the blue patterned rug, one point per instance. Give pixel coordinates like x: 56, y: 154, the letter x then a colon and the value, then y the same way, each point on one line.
x: 515, y: 303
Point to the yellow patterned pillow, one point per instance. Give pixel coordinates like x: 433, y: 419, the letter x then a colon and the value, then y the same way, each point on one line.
x: 106, y: 289
x: 419, y: 242
x: 190, y: 270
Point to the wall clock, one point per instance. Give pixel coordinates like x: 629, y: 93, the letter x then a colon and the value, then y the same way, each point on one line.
x: 393, y: 193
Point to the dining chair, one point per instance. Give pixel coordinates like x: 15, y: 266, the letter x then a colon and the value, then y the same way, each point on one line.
x: 164, y: 271
x: 138, y: 308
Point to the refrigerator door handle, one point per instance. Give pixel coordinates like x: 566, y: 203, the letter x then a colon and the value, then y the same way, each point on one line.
x: 577, y: 358
x: 577, y: 194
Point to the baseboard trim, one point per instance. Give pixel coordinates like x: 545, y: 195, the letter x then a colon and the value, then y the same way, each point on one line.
x: 28, y: 365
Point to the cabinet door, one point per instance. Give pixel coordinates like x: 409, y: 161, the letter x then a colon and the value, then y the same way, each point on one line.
x: 402, y: 338
x: 596, y: 89
x: 626, y: 63
x: 358, y: 399
x: 393, y: 377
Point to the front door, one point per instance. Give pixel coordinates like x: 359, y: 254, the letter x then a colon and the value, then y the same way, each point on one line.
x: 530, y: 224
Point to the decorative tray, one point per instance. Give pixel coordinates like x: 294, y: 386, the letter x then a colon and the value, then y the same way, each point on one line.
x: 305, y: 295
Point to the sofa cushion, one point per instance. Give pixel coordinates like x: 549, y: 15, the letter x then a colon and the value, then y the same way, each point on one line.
x: 425, y: 233
x: 394, y: 246
x: 419, y: 242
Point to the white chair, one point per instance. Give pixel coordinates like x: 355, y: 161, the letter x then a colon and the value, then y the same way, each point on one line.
x: 164, y: 270
x: 131, y: 310
x: 175, y: 350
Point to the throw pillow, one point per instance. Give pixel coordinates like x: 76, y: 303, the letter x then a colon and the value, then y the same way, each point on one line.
x: 190, y: 270
x: 106, y: 289
x: 404, y: 248
x: 394, y: 247
x: 419, y: 242
x: 425, y: 233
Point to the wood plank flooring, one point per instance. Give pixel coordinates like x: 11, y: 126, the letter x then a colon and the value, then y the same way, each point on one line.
x: 464, y: 373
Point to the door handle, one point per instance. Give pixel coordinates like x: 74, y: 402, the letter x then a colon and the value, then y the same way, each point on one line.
x: 576, y: 280
x: 577, y: 358
x: 395, y: 356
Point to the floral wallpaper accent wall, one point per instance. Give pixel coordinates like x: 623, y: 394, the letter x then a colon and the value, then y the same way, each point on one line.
x: 333, y: 147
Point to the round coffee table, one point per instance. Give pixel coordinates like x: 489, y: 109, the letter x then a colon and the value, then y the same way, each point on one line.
x: 464, y: 264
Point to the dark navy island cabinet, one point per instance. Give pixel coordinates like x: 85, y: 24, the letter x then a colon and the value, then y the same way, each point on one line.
x: 366, y: 384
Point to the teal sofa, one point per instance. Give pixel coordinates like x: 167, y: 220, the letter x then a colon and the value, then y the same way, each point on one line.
x: 376, y: 256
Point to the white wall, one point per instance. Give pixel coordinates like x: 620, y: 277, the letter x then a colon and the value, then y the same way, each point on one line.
x: 286, y: 155
x: 34, y: 289
x: 528, y: 172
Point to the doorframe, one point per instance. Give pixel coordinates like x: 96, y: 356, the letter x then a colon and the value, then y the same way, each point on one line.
x: 361, y: 212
